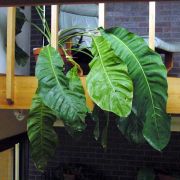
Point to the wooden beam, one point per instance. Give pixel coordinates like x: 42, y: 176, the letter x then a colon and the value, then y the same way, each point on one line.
x: 152, y: 21
x: 175, y: 124
x: 24, y: 90
x: 11, y: 24
x: 173, y: 105
x: 25, y: 87
x: 54, y: 25
x: 50, y: 2
x: 101, y: 15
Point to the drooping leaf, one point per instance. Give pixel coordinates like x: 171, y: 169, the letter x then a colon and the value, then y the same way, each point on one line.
x: 75, y: 85
x: 95, y: 116
x: 108, y: 82
x: 150, y: 83
x: 132, y: 127
x: 104, y: 135
x: 70, y: 106
x: 43, y: 139
x: 146, y: 174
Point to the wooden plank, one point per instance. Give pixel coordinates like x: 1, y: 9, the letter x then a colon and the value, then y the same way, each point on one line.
x: 54, y: 25
x: 101, y: 15
x: 11, y: 21
x: 17, y: 160
x: 152, y: 16
x: 25, y: 87
x: 175, y: 124
x: 173, y: 105
x: 49, y: 2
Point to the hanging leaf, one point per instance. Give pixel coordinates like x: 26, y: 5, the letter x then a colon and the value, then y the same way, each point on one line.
x: 43, y: 139
x: 150, y: 83
x: 132, y: 127
x: 108, y: 82
x: 104, y: 136
x: 95, y: 116
x: 54, y: 88
x: 75, y: 85
x: 146, y: 174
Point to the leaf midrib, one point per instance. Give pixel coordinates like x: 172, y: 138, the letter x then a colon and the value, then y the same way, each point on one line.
x: 103, y: 65
x: 152, y: 101
x: 70, y: 104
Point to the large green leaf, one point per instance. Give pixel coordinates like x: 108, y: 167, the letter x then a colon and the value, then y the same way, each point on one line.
x: 43, y: 138
x: 150, y: 83
x: 55, y: 90
x: 75, y: 85
x: 132, y: 127
x: 108, y: 81
x: 95, y: 117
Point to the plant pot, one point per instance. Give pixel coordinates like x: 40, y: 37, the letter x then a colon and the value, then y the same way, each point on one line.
x: 36, y: 52
x: 22, y: 39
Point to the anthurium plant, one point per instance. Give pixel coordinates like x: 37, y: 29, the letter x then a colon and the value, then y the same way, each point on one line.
x: 126, y: 78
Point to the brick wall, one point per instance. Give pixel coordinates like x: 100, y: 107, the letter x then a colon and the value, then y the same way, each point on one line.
x: 122, y: 159
x: 134, y: 16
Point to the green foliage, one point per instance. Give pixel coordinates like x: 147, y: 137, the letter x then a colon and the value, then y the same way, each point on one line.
x: 43, y: 138
x: 57, y: 90
x: 108, y: 82
x: 126, y: 78
x: 132, y: 127
x: 150, y: 85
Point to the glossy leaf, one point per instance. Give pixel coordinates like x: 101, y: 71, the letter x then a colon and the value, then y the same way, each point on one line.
x: 132, y: 127
x: 108, y: 82
x: 95, y: 116
x: 104, y: 136
x: 75, y: 85
x: 56, y: 89
x: 43, y: 139
x: 150, y: 83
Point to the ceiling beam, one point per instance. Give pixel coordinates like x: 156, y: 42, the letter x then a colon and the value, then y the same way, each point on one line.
x: 41, y: 2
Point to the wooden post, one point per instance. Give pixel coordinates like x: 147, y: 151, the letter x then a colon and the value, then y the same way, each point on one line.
x: 152, y: 21
x: 17, y: 161
x: 54, y: 25
x: 101, y: 15
x: 11, y: 25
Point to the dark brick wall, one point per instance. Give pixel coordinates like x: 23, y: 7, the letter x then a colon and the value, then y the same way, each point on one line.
x: 122, y: 159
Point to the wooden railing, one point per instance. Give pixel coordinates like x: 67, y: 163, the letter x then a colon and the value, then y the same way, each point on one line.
x: 16, y: 92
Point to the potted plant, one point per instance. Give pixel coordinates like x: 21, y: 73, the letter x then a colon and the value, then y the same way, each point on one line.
x: 126, y: 78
